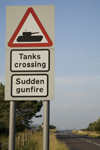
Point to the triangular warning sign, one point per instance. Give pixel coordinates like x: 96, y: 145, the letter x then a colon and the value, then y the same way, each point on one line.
x: 30, y: 32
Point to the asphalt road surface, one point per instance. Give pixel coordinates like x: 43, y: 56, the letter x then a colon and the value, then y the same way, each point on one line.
x: 79, y: 142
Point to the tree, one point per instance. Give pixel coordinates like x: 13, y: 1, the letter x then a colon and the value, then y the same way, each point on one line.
x: 98, y: 125
x: 95, y: 126
x: 4, y: 111
x: 52, y: 127
x: 25, y: 111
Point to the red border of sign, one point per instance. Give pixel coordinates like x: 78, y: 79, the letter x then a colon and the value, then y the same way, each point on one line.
x: 30, y: 10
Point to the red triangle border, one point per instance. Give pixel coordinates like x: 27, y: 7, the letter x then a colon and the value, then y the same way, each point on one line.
x: 30, y: 10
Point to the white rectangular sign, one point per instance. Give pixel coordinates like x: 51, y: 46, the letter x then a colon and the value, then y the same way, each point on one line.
x: 30, y: 53
x: 29, y: 85
x: 30, y: 60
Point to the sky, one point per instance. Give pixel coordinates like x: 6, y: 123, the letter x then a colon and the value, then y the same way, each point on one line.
x: 77, y: 61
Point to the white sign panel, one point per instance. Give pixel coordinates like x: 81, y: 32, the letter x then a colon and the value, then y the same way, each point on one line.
x: 30, y: 53
x: 29, y: 85
x: 30, y: 60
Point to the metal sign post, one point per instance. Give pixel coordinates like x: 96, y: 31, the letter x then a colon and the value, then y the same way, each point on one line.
x: 46, y: 116
x: 12, y: 121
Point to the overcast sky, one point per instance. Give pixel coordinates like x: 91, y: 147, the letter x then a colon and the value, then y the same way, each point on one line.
x: 77, y: 60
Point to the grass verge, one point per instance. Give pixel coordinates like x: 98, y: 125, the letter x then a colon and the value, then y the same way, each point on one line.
x: 94, y: 134
x: 36, y: 143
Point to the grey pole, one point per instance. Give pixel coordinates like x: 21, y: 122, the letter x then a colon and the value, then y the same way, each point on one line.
x: 12, y: 125
x: 46, y: 116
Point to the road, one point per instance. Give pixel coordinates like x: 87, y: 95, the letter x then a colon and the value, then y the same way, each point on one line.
x: 78, y: 142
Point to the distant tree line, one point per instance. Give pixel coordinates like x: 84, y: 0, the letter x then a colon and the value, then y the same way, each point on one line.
x: 50, y: 127
x: 25, y: 111
x: 95, y: 126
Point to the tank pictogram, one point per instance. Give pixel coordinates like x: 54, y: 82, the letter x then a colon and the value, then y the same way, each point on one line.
x: 29, y: 37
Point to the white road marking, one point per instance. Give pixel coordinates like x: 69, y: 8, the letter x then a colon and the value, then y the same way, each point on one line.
x: 88, y: 141
x: 96, y: 144
x: 81, y: 138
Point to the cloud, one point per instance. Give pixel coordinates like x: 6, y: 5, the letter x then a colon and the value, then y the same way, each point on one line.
x: 77, y: 80
x: 65, y: 105
x: 59, y: 105
x: 78, y: 89
x: 90, y: 106
x: 68, y: 80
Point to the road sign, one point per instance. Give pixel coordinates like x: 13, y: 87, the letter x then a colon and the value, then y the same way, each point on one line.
x: 30, y: 60
x: 30, y: 48
x: 29, y: 85
x: 30, y: 32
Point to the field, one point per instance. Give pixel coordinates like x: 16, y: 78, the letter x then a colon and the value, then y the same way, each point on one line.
x: 36, y: 142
